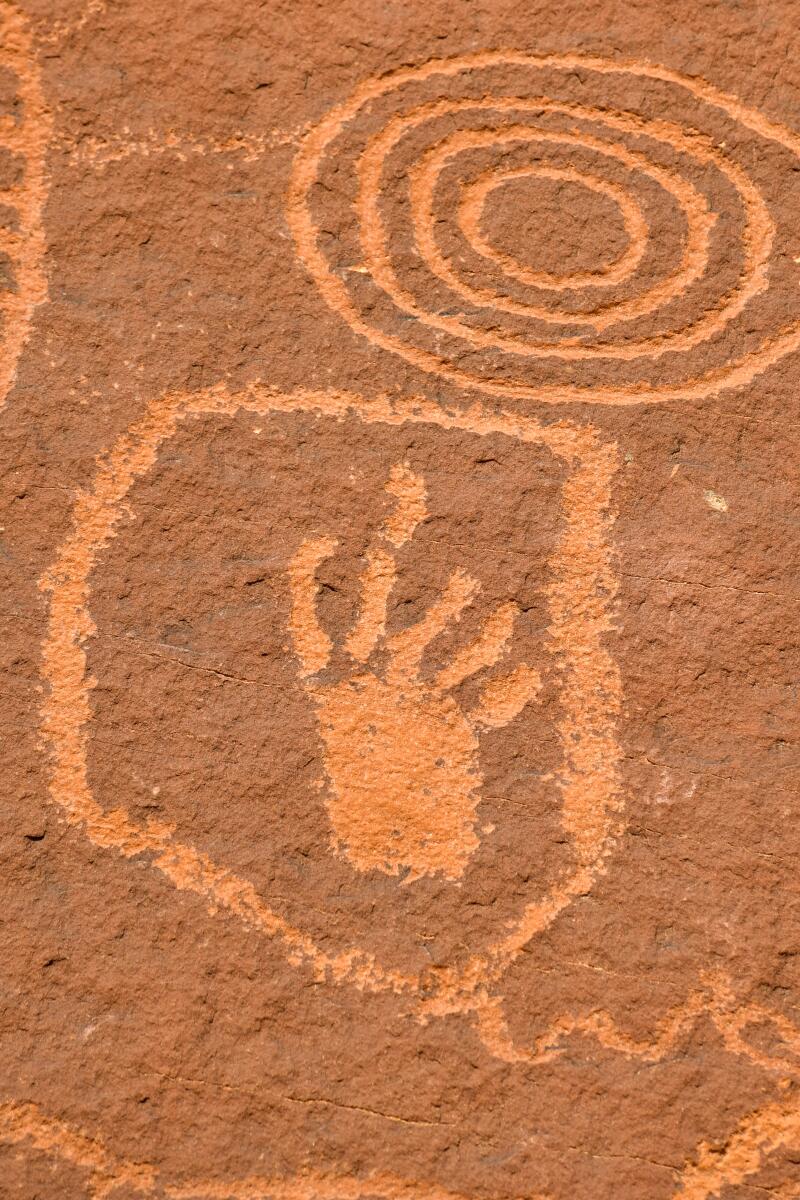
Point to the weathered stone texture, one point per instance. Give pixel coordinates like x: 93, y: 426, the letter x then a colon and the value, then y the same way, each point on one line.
x: 401, y: 576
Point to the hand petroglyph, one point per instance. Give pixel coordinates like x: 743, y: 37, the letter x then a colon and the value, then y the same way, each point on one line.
x: 400, y: 753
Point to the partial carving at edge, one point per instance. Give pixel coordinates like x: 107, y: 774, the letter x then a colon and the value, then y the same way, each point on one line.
x: 366, y: 291
x: 25, y: 135
x: 26, y: 1123
x: 65, y: 27
x: 745, y: 1151
x: 378, y: 1186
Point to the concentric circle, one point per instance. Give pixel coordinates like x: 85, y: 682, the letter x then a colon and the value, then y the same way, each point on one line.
x: 393, y: 194
x: 477, y: 195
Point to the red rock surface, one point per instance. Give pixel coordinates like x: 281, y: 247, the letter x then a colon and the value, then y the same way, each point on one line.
x: 400, y: 554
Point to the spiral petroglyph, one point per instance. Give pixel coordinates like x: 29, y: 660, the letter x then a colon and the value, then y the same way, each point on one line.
x: 391, y: 205
x: 579, y: 595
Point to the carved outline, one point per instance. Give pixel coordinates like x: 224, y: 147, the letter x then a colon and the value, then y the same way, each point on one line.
x: 580, y: 595
x: 301, y: 222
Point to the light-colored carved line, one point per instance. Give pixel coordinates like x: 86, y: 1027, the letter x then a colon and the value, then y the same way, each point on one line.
x: 734, y: 374
x: 581, y: 590
x: 407, y: 647
x: 503, y: 699
x: 20, y: 1123
x: 487, y: 648
x: 757, y: 1137
x: 423, y: 183
x: 580, y: 594
x: 377, y: 582
x: 311, y: 642
x: 473, y: 203
x: 410, y: 510
x: 25, y: 246
x: 591, y: 701
x: 579, y: 597
x: 66, y: 711
x: 60, y: 30
x: 758, y: 235
x: 597, y: 1026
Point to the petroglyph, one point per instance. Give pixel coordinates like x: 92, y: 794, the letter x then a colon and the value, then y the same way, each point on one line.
x: 61, y: 30
x: 100, y: 152
x: 27, y: 1123
x: 401, y: 756
x: 711, y: 1169
x: 393, y: 149
x: 757, y: 1137
x: 390, y: 204
x: 715, y: 999
x: 24, y: 136
x: 579, y: 596
x: 22, y: 1123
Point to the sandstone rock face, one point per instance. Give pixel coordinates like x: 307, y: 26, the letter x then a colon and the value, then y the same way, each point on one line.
x: 401, y: 581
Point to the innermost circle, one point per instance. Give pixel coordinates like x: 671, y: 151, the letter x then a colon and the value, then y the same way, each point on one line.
x: 547, y: 226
